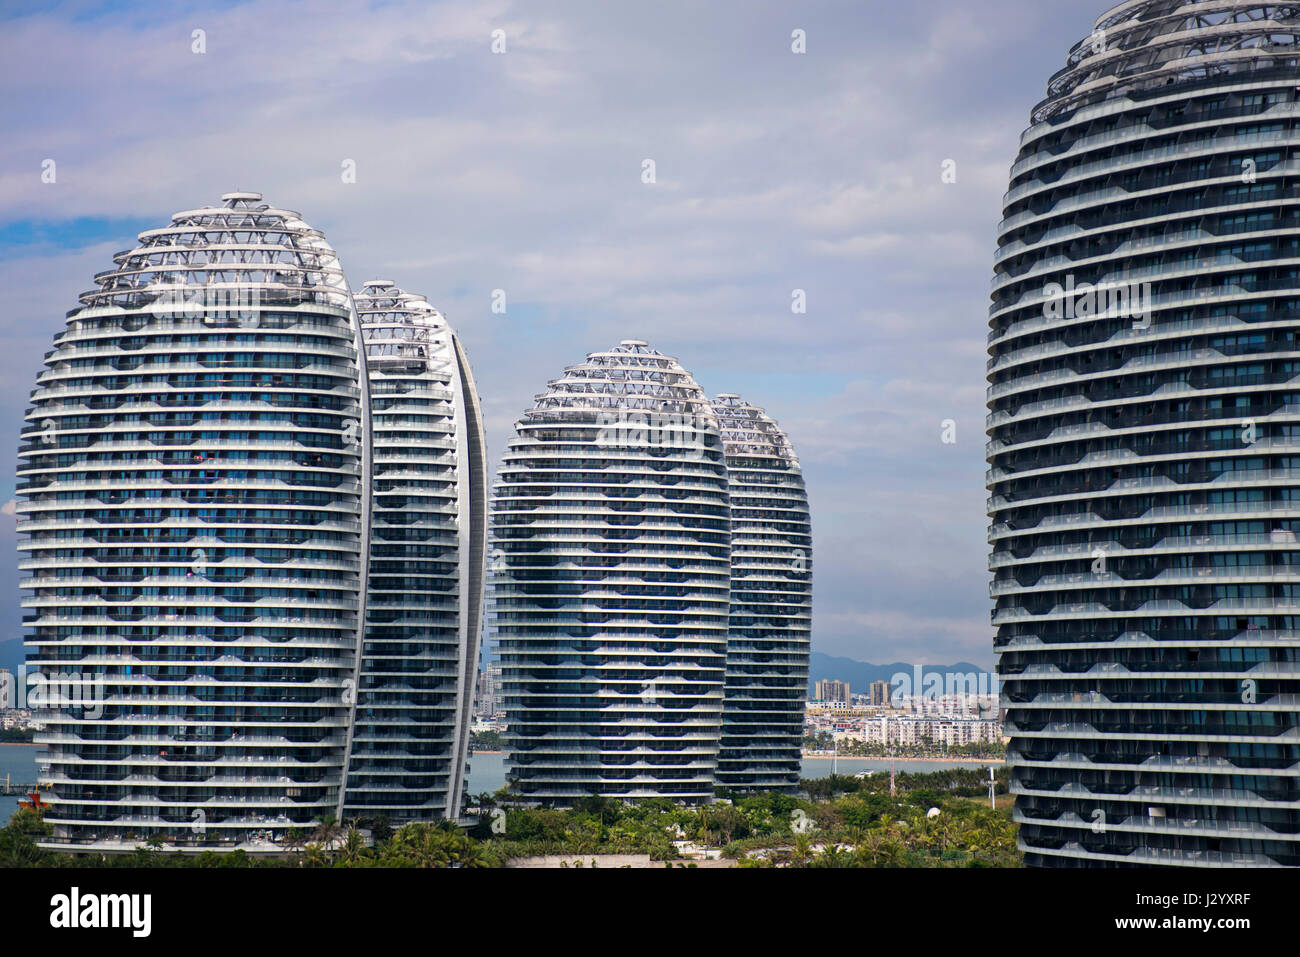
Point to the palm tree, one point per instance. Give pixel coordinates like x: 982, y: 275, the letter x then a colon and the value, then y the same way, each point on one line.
x: 354, y: 846
x: 833, y: 856
x: 294, y: 839
x: 884, y: 849
x: 326, y: 833
x: 433, y: 845
x: 585, y: 838
x: 315, y: 856
x: 802, y: 851
x: 855, y: 835
x: 943, y: 832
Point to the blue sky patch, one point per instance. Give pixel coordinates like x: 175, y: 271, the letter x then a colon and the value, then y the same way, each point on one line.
x: 70, y: 233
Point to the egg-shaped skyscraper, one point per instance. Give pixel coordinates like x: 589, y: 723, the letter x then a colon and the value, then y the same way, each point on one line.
x: 194, y: 516
x: 1144, y: 424
x: 770, y: 632
x: 424, y: 610
x: 610, y: 571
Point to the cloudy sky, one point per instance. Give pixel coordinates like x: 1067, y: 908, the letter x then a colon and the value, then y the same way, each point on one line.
x: 523, y: 171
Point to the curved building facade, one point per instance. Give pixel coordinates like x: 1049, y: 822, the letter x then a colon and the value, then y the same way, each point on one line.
x: 1144, y: 459
x: 192, y: 503
x: 610, y: 560
x: 424, y: 610
x: 769, y: 637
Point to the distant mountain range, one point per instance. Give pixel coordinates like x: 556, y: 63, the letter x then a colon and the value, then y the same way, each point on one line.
x: 860, y: 674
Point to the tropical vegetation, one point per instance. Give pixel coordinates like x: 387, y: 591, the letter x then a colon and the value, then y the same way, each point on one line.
x: 940, y: 819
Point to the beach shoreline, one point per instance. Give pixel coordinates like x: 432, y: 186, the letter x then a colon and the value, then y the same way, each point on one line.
x: 861, y: 757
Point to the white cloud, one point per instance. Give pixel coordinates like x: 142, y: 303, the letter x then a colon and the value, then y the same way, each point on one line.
x: 522, y: 171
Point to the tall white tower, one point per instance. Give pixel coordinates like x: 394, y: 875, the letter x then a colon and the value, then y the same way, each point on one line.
x: 424, y: 616
x: 1144, y: 453
x: 610, y: 559
x: 770, y: 631
x: 193, y: 483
